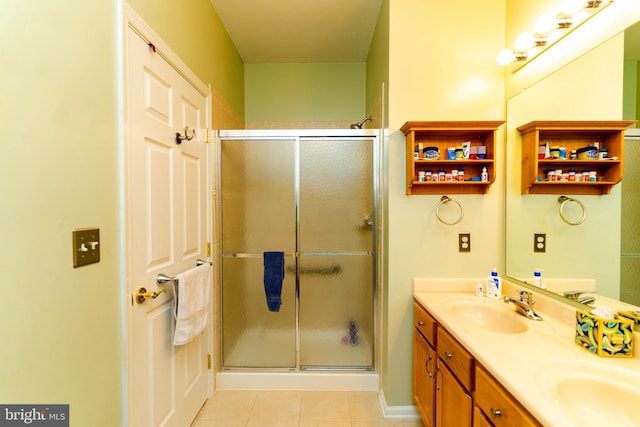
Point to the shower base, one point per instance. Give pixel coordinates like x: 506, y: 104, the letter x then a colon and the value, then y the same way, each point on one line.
x: 316, y: 380
x: 332, y: 365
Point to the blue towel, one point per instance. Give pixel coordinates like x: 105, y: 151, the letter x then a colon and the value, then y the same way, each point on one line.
x: 273, y: 277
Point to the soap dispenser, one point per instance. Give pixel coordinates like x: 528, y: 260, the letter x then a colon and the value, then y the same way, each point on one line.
x: 494, y: 285
x: 537, y: 279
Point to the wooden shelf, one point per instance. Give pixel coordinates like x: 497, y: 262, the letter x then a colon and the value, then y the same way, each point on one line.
x: 444, y: 135
x: 572, y: 135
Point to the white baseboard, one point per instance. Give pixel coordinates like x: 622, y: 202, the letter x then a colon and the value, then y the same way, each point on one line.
x: 404, y: 412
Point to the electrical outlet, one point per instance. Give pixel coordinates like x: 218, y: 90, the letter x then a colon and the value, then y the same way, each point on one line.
x: 464, y: 242
x: 540, y: 242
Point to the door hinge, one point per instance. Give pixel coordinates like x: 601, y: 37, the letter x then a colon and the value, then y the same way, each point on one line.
x: 207, y: 135
x: 208, y: 361
x: 208, y: 249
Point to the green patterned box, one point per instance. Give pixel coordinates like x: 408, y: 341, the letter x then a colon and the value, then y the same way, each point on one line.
x: 633, y: 315
x: 604, y: 337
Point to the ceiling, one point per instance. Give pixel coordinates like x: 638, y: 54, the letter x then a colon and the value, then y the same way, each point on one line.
x: 299, y: 31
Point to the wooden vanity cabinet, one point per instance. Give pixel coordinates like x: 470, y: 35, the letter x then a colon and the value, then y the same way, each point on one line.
x: 442, y: 374
x: 497, y: 405
x: 454, y: 382
x: 424, y: 365
x: 479, y: 420
x: 451, y: 389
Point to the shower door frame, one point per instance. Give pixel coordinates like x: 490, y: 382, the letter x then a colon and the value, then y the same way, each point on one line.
x: 298, y: 135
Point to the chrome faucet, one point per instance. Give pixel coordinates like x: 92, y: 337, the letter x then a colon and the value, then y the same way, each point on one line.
x: 524, y: 305
x: 576, y: 296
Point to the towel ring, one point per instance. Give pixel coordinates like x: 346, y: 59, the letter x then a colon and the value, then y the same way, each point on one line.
x: 564, y: 201
x: 447, y: 199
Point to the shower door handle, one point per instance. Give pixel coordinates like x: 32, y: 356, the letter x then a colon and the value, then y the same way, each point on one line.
x: 367, y: 224
x: 322, y: 271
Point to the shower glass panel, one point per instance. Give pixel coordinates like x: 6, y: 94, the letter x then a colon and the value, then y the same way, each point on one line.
x: 258, y: 214
x: 336, y: 240
x: 313, y: 199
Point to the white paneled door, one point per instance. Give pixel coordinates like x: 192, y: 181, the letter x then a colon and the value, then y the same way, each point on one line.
x: 165, y: 187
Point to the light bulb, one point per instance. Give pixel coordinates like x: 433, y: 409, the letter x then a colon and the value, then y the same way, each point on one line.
x: 569, y: 7
x: 505, y: 57
x: 524, y: 41
x: 546, y: 23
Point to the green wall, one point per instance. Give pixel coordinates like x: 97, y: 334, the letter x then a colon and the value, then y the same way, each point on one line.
x: 195, y: 33
x: 61, y: 328
x: 630, y: 88
x: 378, y: 61
x: 305, y: 92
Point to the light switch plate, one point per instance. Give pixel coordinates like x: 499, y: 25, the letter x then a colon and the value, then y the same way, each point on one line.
x: 86, y: 246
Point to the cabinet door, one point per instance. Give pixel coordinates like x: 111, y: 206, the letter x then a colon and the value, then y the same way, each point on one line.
x: 424, y: 366
x: 453, y: 404
x: 479, y: 420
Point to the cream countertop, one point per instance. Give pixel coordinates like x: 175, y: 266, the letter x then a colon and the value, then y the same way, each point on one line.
x: 515, y: 360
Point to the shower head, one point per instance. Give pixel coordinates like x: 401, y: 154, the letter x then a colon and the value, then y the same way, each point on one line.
x: 360, y: 123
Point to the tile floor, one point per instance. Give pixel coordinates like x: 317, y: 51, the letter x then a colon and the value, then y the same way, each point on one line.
x: 291, y: 408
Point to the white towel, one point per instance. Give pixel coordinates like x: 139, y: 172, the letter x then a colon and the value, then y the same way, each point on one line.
x: 191, y: 303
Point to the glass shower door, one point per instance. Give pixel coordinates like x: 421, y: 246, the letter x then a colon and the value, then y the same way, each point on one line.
x: 336, y: 235
x: 313, y: 199
x: 258, y: 215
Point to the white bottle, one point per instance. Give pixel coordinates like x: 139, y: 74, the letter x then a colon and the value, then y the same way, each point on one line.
x: 484, y: 176
x: 479, y: 290
x: 537, y: 279
x: 494, y: 285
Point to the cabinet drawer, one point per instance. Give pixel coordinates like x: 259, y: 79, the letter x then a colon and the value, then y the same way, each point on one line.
x: 455, y: 356
x: 491, y: 397
x: 424, y: 323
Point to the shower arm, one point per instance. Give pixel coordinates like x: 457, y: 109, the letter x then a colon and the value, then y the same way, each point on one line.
x: 361, y: 122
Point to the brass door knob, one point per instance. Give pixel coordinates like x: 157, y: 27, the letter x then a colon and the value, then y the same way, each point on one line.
x: 142, y: 295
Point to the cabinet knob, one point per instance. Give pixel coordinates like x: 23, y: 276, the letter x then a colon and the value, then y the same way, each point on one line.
x: 420, y: 323
x: 448, y: 355
x: 495, y: 413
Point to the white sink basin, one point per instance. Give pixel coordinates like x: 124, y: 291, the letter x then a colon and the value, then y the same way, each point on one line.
x: 491, y: 315
x: 595, y: 393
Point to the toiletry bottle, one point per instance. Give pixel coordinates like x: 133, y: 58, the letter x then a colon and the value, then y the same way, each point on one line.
x: 479, y: 290
x: 484, y: 176
x: 494, y: 285
x: 537, y: 279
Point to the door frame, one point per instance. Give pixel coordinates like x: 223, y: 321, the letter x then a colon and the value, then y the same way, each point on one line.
x: 132, y: 20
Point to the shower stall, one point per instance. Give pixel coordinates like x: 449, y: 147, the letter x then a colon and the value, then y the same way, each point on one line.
x: 312, y: 195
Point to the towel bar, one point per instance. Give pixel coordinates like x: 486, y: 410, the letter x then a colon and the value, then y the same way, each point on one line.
x: 162, y: 279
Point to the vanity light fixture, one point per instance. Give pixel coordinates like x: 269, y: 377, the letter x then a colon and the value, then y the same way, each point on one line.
x: 564, y: 21
x: 549, y: 28
x: 507, y: 56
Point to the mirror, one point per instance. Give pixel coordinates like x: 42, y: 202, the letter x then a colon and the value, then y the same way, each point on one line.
x: 602, y: 253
